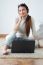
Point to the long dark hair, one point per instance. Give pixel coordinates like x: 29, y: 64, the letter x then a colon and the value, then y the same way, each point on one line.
x: 28, y: 24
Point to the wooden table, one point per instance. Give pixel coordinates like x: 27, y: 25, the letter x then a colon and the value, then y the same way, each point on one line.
x: 23, y: 59
x: 19, y: 61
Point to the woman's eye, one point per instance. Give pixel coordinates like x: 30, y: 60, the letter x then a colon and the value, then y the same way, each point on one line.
x: 19, y: 10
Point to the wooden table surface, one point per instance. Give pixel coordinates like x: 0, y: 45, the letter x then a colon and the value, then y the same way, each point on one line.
x: 23, y: 59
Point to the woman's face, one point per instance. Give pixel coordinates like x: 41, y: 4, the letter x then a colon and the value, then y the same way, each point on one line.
x: 22, y: 11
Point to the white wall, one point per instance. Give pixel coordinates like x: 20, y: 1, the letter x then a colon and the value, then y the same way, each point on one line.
x: 8, y: 13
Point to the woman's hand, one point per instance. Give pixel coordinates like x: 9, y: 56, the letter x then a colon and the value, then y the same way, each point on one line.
x: 17, y: 24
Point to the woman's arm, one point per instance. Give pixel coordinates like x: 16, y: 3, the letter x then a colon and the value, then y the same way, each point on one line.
x: 16, y: 25
x: 34, y: 32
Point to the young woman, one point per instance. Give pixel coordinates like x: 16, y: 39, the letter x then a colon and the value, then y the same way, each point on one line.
x: 22, y: 26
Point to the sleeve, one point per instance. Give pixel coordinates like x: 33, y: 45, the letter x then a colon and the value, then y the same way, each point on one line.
x: 34, y: 32
x: 14, y: 25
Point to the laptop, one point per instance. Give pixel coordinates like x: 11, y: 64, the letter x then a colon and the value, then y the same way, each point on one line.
x: 23, y: 46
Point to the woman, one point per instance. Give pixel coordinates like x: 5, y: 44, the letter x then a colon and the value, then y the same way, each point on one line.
x: 22, y: 26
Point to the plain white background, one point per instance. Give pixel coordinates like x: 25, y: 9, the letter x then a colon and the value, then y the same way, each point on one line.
x: 9, y: 11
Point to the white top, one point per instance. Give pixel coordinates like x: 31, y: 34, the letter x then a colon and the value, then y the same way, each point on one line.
x: 21, y: 31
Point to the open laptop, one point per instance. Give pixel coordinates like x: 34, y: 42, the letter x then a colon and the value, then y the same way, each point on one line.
x: 23, y: 46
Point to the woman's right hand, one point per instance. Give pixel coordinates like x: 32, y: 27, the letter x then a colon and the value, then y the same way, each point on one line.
x: 17, y: 24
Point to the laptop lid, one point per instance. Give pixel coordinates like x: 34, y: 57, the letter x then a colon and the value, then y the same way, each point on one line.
x: 23, y: 46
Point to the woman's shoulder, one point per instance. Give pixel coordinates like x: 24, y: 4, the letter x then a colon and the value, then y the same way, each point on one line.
x: 32, y: 19
x: 30, y: 16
